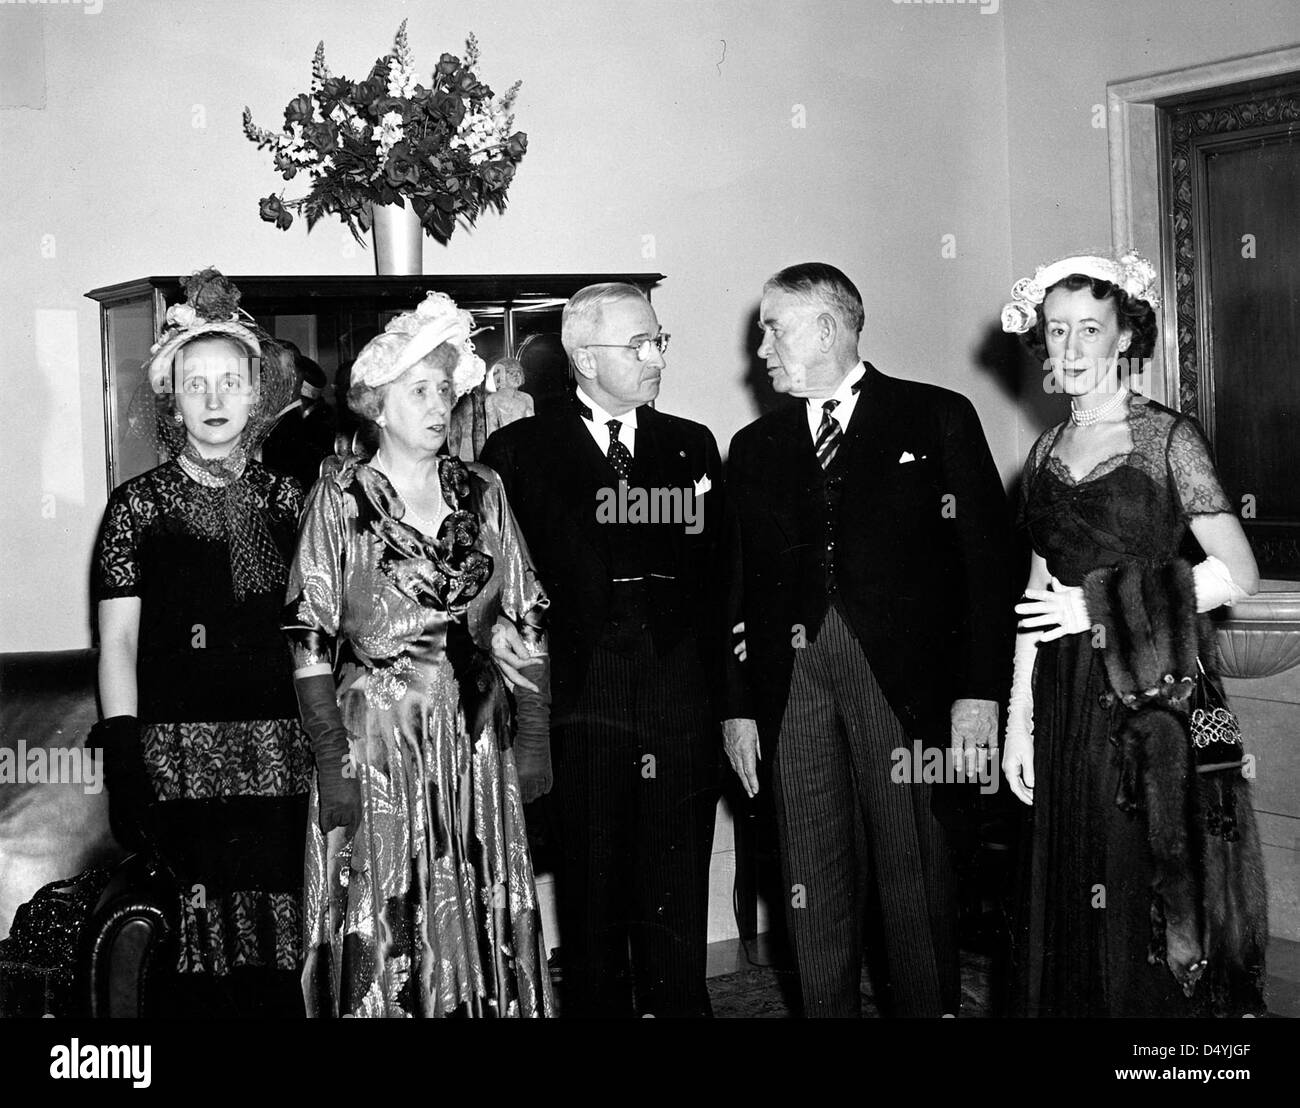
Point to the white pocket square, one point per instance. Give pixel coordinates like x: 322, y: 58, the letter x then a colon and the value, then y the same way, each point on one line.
x: 906, y: 456
x: 702, y: 484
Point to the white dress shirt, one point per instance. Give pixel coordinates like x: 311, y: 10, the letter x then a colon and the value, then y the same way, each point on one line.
x: 848, y: 400
x: 600, y: 432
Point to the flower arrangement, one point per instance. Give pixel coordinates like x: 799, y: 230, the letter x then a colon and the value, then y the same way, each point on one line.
x: 450, y: 149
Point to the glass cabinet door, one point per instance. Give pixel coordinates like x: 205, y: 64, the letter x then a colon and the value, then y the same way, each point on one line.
x: 330, y: 319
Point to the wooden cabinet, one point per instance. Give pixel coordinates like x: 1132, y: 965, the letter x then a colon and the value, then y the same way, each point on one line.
x: 331, y: 319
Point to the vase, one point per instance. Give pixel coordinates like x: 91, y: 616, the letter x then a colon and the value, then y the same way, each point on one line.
x: 399, y: 240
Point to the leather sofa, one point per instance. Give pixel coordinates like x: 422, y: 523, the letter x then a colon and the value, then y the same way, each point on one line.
x: 55, y: 832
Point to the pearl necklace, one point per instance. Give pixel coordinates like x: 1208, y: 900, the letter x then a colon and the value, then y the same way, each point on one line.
x: 208, y: 479
x: 1086, y: 417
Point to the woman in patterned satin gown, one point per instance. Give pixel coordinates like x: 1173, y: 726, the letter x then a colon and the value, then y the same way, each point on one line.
x: 420, y: 893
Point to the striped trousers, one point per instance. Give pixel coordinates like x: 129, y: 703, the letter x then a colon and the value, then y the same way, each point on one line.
x: 859, y: 853
x: 636, y: 780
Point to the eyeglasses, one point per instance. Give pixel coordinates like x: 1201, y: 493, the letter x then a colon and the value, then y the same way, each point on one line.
x: 642, y: 348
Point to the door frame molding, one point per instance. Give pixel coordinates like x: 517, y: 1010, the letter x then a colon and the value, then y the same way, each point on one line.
x: 1137, y: 175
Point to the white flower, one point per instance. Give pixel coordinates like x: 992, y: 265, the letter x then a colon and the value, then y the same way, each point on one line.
x: 359, y: 125
x: 389, y: 133
x: 1027, y: 289
x: 1018, y: 317
x: 182, y: 315
x: 469, y: 371
x: 401, y: 81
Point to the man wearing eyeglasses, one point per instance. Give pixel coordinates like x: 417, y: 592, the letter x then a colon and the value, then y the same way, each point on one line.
x: 620, y: 505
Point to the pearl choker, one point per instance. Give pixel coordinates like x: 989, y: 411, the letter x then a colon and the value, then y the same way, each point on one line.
x: 1086, y: 417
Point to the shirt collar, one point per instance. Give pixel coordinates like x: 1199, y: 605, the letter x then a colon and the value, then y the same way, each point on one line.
x: 848, y: 388
x: 599, y: 415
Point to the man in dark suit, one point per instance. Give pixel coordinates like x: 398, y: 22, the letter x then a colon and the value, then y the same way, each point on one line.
x: 304, y: 431
x: 868, y: 560
x: 621, y: 508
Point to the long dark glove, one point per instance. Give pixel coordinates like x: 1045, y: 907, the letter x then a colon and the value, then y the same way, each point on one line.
x: 533, y: 732
x: 130, y: 792
x: 340, y: 793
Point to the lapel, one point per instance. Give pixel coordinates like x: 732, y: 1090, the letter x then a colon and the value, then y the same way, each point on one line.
x: 864, y: 453
x: 579, y: 472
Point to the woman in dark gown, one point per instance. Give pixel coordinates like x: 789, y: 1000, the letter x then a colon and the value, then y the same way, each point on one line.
x: 1122, y: 481
x: 204, y: 758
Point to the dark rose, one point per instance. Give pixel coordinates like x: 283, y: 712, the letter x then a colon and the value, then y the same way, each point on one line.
x: 369, y: 92
x: 391, y: 104
x: 467, y: 84
x: 335, y: 89
x: 211, y: 294
x: 401, y: 168
x: 322, y: 136
x: 517, y: 145
x: 273, y: 211
x: 449, y: 107
x: 497, y: 174
x: 298, y: 109
x: 447, y: 65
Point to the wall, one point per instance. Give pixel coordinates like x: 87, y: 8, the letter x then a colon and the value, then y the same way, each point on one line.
x: 638, y: 127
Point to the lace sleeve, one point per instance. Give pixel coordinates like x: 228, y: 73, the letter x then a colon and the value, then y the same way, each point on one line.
x: 1037, y: 454
x: 117, y: 554
x: 1192, y: 474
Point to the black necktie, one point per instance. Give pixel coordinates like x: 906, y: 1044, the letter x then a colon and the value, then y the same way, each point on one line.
x: 828, y: 435
x: 620, y: 457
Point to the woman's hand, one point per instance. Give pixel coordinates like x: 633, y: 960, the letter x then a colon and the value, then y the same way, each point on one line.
x: 510, y: 653
x: 1056, y: 611
x: 1018, y: 762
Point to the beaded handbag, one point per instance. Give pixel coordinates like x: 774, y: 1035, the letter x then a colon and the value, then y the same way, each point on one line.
x: 1215, y: 729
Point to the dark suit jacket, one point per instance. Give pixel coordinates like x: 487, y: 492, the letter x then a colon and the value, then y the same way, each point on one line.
x: 921, y: 554
x: 553, y: 473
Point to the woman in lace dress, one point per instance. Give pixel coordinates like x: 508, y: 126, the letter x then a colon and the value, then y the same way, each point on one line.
x: 1121, y: 481
x: 420, y: 895
x: 204, y: 759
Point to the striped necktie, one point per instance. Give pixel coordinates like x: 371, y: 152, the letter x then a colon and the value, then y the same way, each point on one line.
x: 620, y: 457
x: 828, y: 435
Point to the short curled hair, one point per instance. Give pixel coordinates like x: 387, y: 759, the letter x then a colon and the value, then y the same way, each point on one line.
x: 368, y: 401
x: 581, y: 315
x: 1134, y: 315
x: 822, y: 285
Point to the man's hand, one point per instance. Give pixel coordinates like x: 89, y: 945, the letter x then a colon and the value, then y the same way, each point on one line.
x: 739, y: 650
x: 974, y: 732
x: 509, y: 652
x: 740, y: 740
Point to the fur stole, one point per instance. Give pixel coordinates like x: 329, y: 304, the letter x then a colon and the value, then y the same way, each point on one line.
x: 1209, y: 909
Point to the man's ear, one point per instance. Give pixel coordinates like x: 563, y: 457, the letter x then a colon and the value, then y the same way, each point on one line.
x: 827, y: 329
x: 584, y: 363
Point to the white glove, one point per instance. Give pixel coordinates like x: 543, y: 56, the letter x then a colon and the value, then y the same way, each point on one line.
x: 1057, y: 611
x: 1214, y: 585
x: 1018, y: 750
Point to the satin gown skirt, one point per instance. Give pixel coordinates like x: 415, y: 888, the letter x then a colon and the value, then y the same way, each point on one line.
x: 431, y: 910
x: 1083, y: 919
